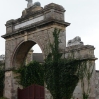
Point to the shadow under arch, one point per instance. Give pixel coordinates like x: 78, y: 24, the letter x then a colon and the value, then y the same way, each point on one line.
x: 21, y: 52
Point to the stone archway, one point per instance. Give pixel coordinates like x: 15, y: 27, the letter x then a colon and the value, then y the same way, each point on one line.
x: 35, y: 26
x: 21, y: 52
x: 18, y: 59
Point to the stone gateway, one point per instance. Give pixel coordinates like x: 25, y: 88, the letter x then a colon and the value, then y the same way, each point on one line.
x: 35, y: 26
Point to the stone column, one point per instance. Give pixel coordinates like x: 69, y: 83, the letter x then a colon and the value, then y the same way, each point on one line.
x: 83, y: 52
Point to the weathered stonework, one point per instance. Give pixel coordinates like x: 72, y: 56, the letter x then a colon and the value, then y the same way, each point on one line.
x: 29, y: 57
x: 97, y: 84
x: 83, y: 52
x: 35, y: 27
x: 75, y: 41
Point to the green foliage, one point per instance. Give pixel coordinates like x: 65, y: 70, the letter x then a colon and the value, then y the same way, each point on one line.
x: 60, y: 74
x: 32, y: 73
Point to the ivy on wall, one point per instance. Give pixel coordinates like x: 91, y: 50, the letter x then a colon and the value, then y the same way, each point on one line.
x: 61, y: 74
x: 32, y: 73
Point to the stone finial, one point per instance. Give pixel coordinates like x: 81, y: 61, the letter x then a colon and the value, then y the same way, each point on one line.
x: 29, y: 3
x: 75, y: 41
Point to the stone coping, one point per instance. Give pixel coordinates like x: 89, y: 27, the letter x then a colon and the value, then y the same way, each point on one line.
x: 79, y: 47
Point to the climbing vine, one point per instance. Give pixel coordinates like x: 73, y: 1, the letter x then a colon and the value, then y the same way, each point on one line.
x: 62, y: 74
x: 32, y: 73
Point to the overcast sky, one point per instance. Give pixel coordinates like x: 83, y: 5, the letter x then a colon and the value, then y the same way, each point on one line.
x: 82, y: 14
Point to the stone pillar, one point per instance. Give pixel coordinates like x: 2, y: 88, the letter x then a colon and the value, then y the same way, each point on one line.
x: 83, y: 52
x: 10, y: 85
x: 97, y: 84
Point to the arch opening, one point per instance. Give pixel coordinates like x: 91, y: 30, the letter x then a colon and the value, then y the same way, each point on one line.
x: 23, y: 53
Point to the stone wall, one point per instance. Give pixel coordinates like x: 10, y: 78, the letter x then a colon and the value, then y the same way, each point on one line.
x: 83, y: 52
x: 97, y: 84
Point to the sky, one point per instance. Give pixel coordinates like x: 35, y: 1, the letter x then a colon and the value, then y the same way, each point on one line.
x: 82, y: 14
